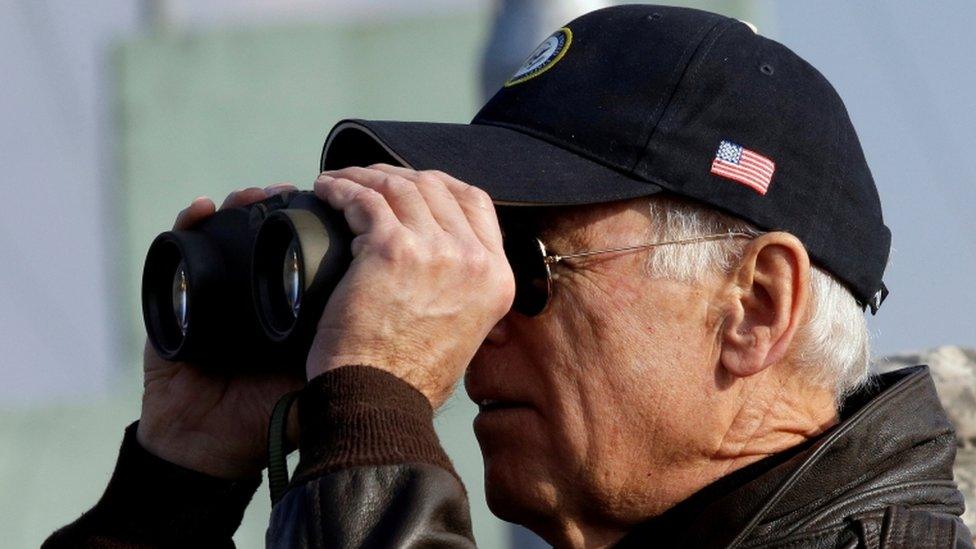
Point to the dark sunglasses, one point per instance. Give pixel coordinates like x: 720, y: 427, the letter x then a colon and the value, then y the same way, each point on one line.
x: 532, y: 265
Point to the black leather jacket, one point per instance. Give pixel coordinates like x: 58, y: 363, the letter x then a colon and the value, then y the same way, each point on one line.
x: 372, y: 474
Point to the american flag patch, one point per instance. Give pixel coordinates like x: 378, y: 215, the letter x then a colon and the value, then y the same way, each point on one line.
x: 744, y: 166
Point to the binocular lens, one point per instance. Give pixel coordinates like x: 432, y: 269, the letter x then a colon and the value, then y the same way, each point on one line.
x: 180, y: 298
x: 278, y: 275
x: 166, y: 295
x: 299, y: 255
x: 291, y: 277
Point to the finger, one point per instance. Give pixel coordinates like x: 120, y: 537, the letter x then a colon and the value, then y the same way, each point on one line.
x: 243, y: 197
x: 441, y: 201
x: 478, y: 208
x: 279, y: 188
x: 400, y: 193
x: 365, y: 210
x: 475, y: 203
x: 200, y: 208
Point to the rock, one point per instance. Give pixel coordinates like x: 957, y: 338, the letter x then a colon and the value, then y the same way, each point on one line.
x: 954, y: 372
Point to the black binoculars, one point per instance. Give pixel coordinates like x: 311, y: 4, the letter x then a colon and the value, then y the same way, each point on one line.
x: 247, y: 285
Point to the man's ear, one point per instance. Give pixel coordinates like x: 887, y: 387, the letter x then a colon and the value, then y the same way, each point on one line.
x: 768, y: 297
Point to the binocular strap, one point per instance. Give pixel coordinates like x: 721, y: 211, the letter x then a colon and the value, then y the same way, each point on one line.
x: 277, y: 452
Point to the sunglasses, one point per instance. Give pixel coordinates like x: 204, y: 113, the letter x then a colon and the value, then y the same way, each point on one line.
x: 532, y: 264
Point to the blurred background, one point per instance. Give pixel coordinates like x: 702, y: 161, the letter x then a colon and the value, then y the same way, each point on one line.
x: 114, y: 114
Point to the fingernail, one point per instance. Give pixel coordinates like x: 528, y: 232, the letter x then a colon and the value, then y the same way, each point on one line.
x: 199, y: 198
x: 276, y: 186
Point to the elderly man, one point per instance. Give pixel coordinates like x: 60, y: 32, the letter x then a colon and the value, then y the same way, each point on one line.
x: 667, y: 345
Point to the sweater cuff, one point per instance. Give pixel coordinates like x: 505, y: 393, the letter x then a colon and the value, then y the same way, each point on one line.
x: 360, y: 415
x: 150, y: 499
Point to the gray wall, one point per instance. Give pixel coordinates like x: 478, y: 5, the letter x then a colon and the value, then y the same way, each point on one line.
x: 56, y: 232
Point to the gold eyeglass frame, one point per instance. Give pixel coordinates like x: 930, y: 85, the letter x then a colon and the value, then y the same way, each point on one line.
x: 552, y: 259
x: 556, y: 258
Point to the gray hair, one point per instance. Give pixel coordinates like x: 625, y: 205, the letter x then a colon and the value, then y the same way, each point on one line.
x: 832, y: 347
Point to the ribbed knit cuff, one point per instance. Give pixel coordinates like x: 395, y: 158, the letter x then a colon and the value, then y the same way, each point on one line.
x: 155, y: 502
x: 359, y: 415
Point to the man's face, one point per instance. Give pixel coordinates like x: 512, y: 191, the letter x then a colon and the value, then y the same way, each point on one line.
x: 601, y: 397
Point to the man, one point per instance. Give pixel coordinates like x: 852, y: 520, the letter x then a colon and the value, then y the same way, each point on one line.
x: 668, y: 346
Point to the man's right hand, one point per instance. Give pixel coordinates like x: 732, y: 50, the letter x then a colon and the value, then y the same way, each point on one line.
x: 212, y: 423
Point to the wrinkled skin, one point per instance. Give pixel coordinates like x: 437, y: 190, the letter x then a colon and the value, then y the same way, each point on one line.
x: 629, y: 393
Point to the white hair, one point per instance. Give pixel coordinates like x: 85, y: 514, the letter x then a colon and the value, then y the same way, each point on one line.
x: 832, y: 347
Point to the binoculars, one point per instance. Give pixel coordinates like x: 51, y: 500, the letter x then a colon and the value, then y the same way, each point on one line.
x: 247, y: 285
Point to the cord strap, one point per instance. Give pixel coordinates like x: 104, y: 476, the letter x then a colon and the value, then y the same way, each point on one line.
x: 277, y: 452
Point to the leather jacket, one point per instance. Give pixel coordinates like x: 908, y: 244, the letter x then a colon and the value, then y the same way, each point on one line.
x: 372, y: 474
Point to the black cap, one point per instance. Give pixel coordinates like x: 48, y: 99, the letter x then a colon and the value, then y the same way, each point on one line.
x: 631, y: 101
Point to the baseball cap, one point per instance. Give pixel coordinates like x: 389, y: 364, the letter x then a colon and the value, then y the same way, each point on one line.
x: 631, y: 101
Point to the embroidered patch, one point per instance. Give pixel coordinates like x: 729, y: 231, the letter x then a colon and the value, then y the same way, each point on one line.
x: 549, y: 52
x: 739, y: 164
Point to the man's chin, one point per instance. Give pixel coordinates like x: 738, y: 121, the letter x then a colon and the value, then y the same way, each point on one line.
x: 514, y: 507
x: 518, y: 490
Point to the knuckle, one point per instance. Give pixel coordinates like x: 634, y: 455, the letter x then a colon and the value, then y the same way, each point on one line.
x: 478, y: 263
x: 446, y: 254
x: 397, y: 185
x: 367, y: 198
x: 394, y: 180
x: 359, y: 244
x: 429, y: 180
x: 384, y: 184
x: 435, y: 175
x: 504, y: 291
x: 401, y: 248
x: 478, y: 197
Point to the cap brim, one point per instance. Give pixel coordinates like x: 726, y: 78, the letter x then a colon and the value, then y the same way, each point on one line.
x: 512, y: 167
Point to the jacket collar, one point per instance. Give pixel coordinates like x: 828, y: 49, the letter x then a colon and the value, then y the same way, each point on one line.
x: 892, y: 435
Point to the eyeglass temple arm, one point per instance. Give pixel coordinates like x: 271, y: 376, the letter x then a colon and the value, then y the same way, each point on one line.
x: 556, y: 258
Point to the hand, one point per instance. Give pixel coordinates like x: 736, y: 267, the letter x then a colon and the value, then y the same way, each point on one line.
x: 212, y: 423
x: 428, y: 280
